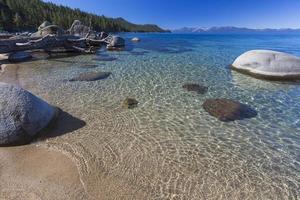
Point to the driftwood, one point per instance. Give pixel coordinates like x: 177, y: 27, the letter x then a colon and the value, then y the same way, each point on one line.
x: 83, y: 45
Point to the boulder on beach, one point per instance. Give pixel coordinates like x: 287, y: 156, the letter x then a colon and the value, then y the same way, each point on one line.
x: 192, y: 87
x: 48, y: 30
x: 44, y: 24
x: 19, y: 56
x: 228, y: 110
x: 91, y: 76
x: 130, y: 103
x: 79, y: 29
x: 22, y: 115
x: 135, y: 39
x: 267, y: 64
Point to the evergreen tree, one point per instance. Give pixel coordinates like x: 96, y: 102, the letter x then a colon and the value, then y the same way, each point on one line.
x: 18, y: 20
x: 29, y: 14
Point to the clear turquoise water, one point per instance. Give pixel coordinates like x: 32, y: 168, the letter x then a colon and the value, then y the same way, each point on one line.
x: 169, y: 147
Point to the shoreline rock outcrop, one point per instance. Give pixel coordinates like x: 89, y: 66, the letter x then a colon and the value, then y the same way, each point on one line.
x: 22, y: 115
x: 268, y: 64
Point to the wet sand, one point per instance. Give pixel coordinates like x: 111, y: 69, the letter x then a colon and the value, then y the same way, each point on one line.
x: 33, y: 172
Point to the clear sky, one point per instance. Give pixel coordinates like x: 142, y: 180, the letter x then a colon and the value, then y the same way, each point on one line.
x: 197, y: 13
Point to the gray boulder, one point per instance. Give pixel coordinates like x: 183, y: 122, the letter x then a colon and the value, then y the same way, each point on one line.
x: 78, y: 29
x: 22, y: 115
x: 268, y: 64
x: 116, y: 42
x: 48, y: 30
x: 44, y: 24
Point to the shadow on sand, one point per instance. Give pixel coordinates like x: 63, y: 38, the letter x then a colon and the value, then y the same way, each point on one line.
x: 63, y: 124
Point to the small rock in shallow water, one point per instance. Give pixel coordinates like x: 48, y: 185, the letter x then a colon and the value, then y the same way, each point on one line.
x: 135, y: 39
x: 20, y: 56
x: 200, y: 89
x: 228, y: 110
x: 130, y: 103
x: 88, y: 66
x: 22, y: 115
x: 91, y: 76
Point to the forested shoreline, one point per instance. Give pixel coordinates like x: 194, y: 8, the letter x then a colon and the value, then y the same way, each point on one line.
x: 21, y: 15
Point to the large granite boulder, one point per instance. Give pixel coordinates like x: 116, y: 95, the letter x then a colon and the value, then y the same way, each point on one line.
x: 78, y: 29
x: 19, y: 56
x: 48, y: 30
x: 44, y: 24
x: 228, y: 110
x: 268, y: 64
x: 117, y: 43
x: 22, y: 115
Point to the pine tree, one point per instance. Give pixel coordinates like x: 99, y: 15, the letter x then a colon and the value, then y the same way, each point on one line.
x: 18, y: 20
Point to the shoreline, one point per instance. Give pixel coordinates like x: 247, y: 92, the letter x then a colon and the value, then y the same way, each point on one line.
x: 39, y: 173
x: 36, y: 165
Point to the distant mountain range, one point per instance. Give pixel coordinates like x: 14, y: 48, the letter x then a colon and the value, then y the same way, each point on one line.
x: 232, y: 29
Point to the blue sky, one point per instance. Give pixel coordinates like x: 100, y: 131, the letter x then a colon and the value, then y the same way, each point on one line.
x: 197, y: 13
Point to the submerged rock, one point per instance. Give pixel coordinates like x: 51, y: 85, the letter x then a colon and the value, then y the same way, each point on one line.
x: 22, y: 115
x: 200, y: 89
x: 135, y: 39
x: 91, y: 76
x: 19, y: 56
x: 130, y: 103
x: 269, y: 65
x: 88, y: 66
x: 228, y: 110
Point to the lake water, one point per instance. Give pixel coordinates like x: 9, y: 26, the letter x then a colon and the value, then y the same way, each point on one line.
x: 169, y: 147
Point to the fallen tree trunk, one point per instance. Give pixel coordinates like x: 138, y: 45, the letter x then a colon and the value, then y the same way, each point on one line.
x: 84, y: 45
